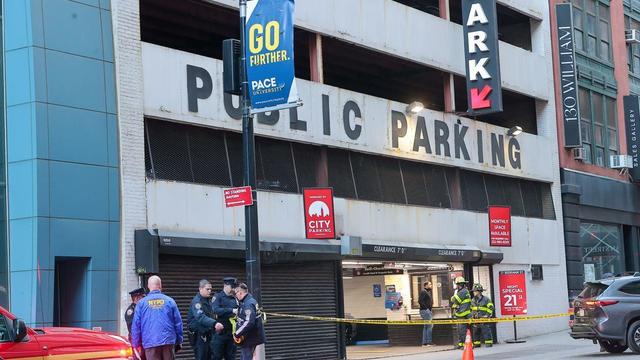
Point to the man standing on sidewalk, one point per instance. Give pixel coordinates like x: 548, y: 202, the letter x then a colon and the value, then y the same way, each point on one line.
x: 426, y: 304
x: 157, y: 325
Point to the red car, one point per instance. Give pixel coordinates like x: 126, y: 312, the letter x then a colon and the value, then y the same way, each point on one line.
x: 17, y: 341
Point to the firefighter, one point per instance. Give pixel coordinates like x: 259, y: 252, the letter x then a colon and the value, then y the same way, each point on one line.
x: 461, y: 308
x: 481, y: 307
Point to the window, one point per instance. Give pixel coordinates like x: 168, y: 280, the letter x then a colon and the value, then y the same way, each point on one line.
x: 598, y: 127
x: 631, y: 288
x: 5, y: 334
x: 602, y: 250
x: 592, y: 28
x: 633, y: 50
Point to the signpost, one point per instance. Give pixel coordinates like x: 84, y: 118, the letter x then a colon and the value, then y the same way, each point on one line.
x: 480, y: 28
x: 319, y: 221
x: 239, y: 196
x: 513, y: 296
x: 568, y: 76
x: 500, y: 226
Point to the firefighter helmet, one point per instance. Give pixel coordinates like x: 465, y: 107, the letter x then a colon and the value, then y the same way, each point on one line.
x: 477, y: 287
x: 460, y: 280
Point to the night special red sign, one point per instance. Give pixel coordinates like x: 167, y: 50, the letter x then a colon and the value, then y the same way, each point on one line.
x: 318, y: 213
x: 500, y: 226
x: 513, y: 292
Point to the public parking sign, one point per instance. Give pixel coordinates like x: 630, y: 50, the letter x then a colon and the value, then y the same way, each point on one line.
x: 238, y: 196
x: 318, y: 213
x: 513, y: 292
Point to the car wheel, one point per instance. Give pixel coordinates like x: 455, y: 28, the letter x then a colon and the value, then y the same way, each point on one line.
x: 613, y: 346
x: 633, y: 337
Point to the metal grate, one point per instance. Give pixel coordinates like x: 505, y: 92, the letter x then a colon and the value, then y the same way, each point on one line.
x: 169, y: 151
x: 532, y: 196
x: 307, y: 159
x: 340, y: 176
x: 234, y: 149
x: 513, y: 196
x: 365, y: 172
x: 414, y: 183
x: 209, y: 157
x: 474, y: 194
x: 437, y: 187
x: 276, y: 166
x: 495, y: 190
x: 391, y: 180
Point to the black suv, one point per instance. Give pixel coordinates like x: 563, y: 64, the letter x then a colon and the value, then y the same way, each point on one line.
x: 608, y: 311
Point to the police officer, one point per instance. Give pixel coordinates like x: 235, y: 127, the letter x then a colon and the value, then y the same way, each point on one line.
x: 481, y: 307
x: 461, y: 308
x: 225, y: 306
x: 136, y: 295
x: 201, y: 321
x: 249, y: 333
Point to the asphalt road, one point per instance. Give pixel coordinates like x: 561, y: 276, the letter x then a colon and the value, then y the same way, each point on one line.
x: 546, y: 347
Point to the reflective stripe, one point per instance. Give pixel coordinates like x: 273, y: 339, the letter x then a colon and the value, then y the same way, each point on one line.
x: 476, y: 343
x: 488, y: 342
x: 465, y: 301
x: 457, y: 298
x: 462, y: 314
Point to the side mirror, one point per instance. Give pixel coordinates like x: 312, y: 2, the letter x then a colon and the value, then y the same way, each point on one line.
x: 20, y: 329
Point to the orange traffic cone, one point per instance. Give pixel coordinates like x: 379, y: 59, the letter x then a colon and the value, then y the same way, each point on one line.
x: 467, y: 354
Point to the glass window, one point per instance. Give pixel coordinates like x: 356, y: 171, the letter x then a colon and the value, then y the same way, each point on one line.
x: 5, y: 336
x: 602, y: 250
x: 595, y: 21
x: 632, y: 288
x: 598, y: 127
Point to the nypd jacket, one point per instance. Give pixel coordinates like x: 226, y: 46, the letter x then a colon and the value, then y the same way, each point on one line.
x: 200, y: 318
x: 223, y: 306
x: 481, y: 307
x: 249, y: 325
x: 156, y: 322
x: 461, y: 304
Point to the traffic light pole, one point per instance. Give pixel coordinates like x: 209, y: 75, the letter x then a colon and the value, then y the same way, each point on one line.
x: 252, y: 242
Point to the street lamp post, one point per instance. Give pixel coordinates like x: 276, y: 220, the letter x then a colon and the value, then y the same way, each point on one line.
x: 252, y: 242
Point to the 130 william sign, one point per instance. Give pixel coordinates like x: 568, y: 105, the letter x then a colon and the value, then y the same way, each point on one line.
x: 480, y: 27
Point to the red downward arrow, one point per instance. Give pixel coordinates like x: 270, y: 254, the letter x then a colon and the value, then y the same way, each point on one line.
x: 480, y: 100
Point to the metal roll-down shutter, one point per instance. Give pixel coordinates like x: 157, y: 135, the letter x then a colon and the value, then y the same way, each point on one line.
x: 308, y: 288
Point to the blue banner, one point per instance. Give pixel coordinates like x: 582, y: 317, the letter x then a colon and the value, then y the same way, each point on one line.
x: 269, y: 52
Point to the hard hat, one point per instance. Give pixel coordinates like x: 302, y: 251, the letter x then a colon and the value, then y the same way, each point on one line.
x: 460, y: 280
x: 478, y: 287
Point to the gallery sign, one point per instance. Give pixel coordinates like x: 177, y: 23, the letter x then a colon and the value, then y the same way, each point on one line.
x: 568, y: 75
x: 513, y: 292
x: 269, y: 53
x: 632, y: 123
x: 482, y: 59
x: 499, y: 226
x: 318, y: 213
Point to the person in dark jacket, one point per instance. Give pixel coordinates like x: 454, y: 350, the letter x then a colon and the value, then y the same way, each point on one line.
x: 426, y: 305
x: 157, y: 325
x: 136, y: 296
x: 249, y: 333
x: 481, y: 307
x: 225, y: 306
x: 201, y: 321
x: 461, y: 308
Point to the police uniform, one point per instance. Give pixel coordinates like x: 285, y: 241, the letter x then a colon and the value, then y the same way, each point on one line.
x: 201, y: 323
x: 223, y: 346
x: 461, y: 307
x: 481, y: 307
x: 128, y: 314
x: 250, y: 330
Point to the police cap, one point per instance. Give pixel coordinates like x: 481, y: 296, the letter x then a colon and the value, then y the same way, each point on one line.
x: 229, y: 281
x: 138, y: 291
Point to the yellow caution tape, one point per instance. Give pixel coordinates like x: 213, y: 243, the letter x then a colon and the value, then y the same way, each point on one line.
x: 422, y: 322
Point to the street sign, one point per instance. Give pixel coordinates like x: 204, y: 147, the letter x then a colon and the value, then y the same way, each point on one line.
x: 318, y: 213
x: 513, y: 292
x: 269, y: 53
x: 568, y: 76
x: 500, y: 226
x: 376, y: 270
x: 632, y: 121
x: 480, y: 28
x: 238, y: 196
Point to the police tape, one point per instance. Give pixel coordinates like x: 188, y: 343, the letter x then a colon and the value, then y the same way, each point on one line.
x: 420, y: 322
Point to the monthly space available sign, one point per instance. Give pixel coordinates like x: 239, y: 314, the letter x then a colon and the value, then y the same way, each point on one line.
x: 513, y: 292
x: 480, y: 28
x: 318, y: 213
x: 269, y: 51
x: 500, y: 226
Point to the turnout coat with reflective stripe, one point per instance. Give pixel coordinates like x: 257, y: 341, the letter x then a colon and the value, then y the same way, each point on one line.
x: 461, y: 303
x: 482, y: 307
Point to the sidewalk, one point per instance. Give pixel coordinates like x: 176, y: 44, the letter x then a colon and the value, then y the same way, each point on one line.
x: 362, y: 352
